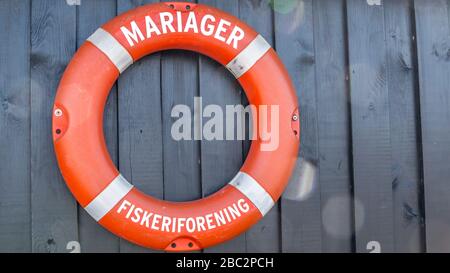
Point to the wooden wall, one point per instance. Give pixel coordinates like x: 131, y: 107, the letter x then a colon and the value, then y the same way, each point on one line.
x: 373, y: 82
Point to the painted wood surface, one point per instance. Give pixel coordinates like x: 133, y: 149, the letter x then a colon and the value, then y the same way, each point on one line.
x: 90, y: 15
x: 333, y: 119
x: 371, y: 134
x: 372, y: 83
x: 54, y: 214
x: 15, y: 194
x: 433, y: 47
x: 217, y: 86
x: 301, y: 229
x: 404, y: 117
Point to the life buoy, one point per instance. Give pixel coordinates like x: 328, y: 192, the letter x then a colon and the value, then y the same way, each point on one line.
x: 85, y: 162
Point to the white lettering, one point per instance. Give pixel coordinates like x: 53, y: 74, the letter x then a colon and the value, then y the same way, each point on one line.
x: 178, y: 224
x: 181, y: 222
x: 221, y: 29
x: 165, y: 223
x: 190, y: 225
x: 137, y: 215
x: 130, y: 211
x: 236, y: 35
x: 201, y: 223
x: 156, y: 221
x: 207, y: 25
x: 205, y: 28
x: 123, y: 206
x: 151, y: 27
x: 234, y: 211
x: 243, y: 206
x: 209, y: 221
x: 191, y: 23
x: 219, y: 218
x: 166, y: 21
x: 132, y: 36
x: 179, y: 22
x: 146, y: 218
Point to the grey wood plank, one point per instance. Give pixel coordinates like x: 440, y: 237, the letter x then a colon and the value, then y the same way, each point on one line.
x: 179, y: 81
x: 333, y: 116
x: 300, y: 217
x: 93, y: 237
x: 433, y: 45
x: 218, y: 86
x: 265, y: 235
x: 405, y: 126
x: 374, y: 220
x: 179, y: 85
x: 15, y: 213
x: 182, y: 164
x: 140, y: 126
x: 53, y: 42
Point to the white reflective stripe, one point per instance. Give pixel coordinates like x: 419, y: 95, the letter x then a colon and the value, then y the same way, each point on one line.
x: 248, y: 56
x: 118, y: 55
x: 253, y: 191
x: 108, y: 198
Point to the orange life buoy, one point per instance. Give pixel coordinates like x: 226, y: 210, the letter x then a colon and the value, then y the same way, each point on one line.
x: 85, y: 162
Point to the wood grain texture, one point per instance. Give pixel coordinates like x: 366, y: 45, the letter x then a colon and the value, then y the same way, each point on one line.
x: 15, y: 224
x: 334, y: 142
x: 301, y: 228
x: 53, y: 43
x: 370, y: 126
x: 405, y: 126
x: 265, y: 235
x: 182, y: 163
x: 372, y: 82
x: 140, y: 125
x: 93, y: 237
x: 433, y: 46
x: 179, y: 85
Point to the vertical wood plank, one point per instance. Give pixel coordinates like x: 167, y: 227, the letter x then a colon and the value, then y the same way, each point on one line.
x: 265, y: 235
x: 218, y: 86
x: 91, y: 15
x: 140, y: 126
x: 294, y: 40
x: 179, y: 85
x: 433, y: 45
x: 15, y: 214
x: 182, y: 163
x: 405, y: 125
x: 53, y: 42
x: 370, y: 126
x: 333, y: 125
